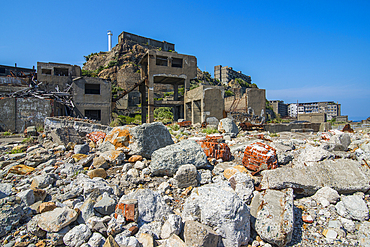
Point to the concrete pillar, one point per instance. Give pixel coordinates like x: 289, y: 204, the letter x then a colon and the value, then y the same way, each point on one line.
x: 175, y: 97
x: 143, y: 102
x: 151, y: 100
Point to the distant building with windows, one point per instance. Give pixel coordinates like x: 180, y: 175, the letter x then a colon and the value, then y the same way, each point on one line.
x: 279, y: 107
x: 330, y: 108
x: 226, y: 74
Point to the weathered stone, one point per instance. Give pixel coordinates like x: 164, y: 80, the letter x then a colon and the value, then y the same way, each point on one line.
x: 174, y: 240
x: 204, y: 176
x: 218, y: 206
x: 100, y: 162
x: 344, y: 176
x: 86, y: 161
x: 21, y: 169
x: 229, y: 172
x: 197, y: 234
x: 274, y: 221
x: 167, y: 160
x: 98, y: 172
x: 110, y: 242
x: 243, y: 185
x: 127, y: 241
x: 27, y: 196
x: 81, y: 149
x: 325, y: 196
x: 39, y: 194
x: 173, y: 225
x: 310, y: 155
x: 31, y: 131
x: 106, y: 146
x: 105, y: 206
x: 128, y: 209
x: 135, y: 158
x: 146, y: 240
x: 45, y: 207
x: 153, y: 228
x: 364, y: 233
x: 65, y: 135
x: 96, y: 240
x: 353, y: 207
x: 114, y: 157
x: 151, y: 205
x: 77, y: 235
x: 55, y: 220
x: 78, y: 157
x: 43, y: 181
x: 119, y: 137
x: 34, y: 229
x: 148, y: 138
x: 186, y: 176
x: 5, y: 190
x: 139, y: 165
x: 97, y: 224
x: 10, y: 215
x: 56, y: 238
x: 86, y: 211
x: 228, y: 127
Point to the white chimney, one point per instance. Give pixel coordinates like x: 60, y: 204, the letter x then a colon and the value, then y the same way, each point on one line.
x: 109, y: 40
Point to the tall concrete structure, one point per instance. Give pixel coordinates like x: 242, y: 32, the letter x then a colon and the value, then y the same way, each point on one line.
x: 331, y: 109
x: 252, y: 102
x: 279, y: 107
x: 162, y: 67
x: 162, y: 45
x: 293, y: 110
x: 109, y: 40
x: 203, y: 102
x: 226, y: 74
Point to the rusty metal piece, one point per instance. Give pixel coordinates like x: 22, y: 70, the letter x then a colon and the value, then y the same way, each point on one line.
x: 347, y: 128
x: 259, y: 156
x: 204, y: 125
x: 128, y: 209
x: 249, y: 126
x: 184, y: 124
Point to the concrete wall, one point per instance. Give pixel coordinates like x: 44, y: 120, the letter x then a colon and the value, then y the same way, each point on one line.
x: 146, y: 41
x: 341, y: 118
x: 101, y: 101
x: 256, y: 100
x: 19, y: 113
x: 203, y: 102
x: 312, y: 117
x: 50, y: 81
x: 304, y: 127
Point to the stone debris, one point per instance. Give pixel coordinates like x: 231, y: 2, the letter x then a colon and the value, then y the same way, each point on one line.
x: 80, y: 185
x: 228, y: 127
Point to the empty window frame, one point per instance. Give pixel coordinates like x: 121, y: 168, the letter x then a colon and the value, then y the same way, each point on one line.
x: 93, y: 114
x: 61, y: 71
x: 46, y: 71
x: 2, y: 70
x: 177, y: 62
x: 92, y: 88
x: 161, y: 61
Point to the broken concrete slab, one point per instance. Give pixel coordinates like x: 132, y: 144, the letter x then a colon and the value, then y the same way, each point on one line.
x: 198, y: 234
x: 343, y: 175
x: 274, y: 219
x: 62, y: 136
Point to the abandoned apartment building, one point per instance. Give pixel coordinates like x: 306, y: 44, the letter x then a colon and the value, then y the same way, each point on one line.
x: 60, y: 91
x: 226, y: 74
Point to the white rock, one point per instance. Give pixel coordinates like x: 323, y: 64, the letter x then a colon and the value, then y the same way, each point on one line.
x: 127, y: 241
x: 96, y: 240
x: 27, y: 196
x: 326, y: 196
x: 173, y: 225
x: 77, y: 235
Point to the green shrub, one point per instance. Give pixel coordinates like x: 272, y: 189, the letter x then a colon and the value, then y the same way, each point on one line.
x: 7, y: 133
x: 209, y: 131
x: 163, y: 113
x: 229, y: 93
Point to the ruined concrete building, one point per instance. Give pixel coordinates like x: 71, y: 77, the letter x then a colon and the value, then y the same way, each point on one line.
x: 163, y: 45
x: 168, y: 68
x: 226, y: 74
x: 253, y: 102
x: 279, y: 107
x: 203, y: 102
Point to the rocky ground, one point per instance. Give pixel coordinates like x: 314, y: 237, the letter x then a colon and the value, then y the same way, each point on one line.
x: 156, y: 185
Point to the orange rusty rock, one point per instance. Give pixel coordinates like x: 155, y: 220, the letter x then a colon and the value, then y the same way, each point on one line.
x: 216, y: 150
x: 21, y: 169
x: 118, y: 137
x: 259, y: 156
x: 135, y: 158
x: 184, y: 124
x: 128, y: 209
x: 78, y: 157
x: 96, y: 136
x: 133, y: 230
x: 307, y: 218
x: 46, y: 206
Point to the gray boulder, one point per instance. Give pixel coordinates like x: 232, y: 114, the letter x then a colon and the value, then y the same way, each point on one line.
x: 10, y: 215
x: 43, y: 181
x: 56, y: 238
x: 243, y: 185
x: 27, y: 196
x: 105, y: 206
x: 186, y: 176
x: 151, y: 205
x: 274, y: 220
x: 310, y: 155
x: 81, y: 149
x: 167, y: 160
x: 326, y: 196
x: 5, y: 190
x: 218, y: 206
x: 353, y: 207
x: 197, y: 234
x: 96, y: 240
x: 147, y: 138
x: 228, y: 127
x: 62, y: 136
x: 153, y: 228
x: 34, y: 229
x: 77, y: 235
x: 86, y: 211
x: 173, y: 225
x: 55, y: 220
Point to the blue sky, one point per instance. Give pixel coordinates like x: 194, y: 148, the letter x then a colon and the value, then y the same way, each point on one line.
x: 296, y: 50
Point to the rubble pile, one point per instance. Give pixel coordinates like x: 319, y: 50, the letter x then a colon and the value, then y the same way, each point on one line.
x: 86, y: 185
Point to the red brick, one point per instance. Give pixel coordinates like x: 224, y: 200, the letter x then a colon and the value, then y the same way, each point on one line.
x: 216, y: 150
x: 96, y: 136
x: 128, y: 209
x: 259, y: 156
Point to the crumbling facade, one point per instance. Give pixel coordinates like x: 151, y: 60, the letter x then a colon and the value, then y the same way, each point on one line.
x: 169, y: 68
x: 203, y: 102
x: 226, y: 74
x: 163, y: 45
x: 279, y: 107
x: 331, y: 109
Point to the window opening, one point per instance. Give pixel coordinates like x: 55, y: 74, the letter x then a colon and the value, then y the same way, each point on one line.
x: 92, y: 88
x: 161, y: 61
